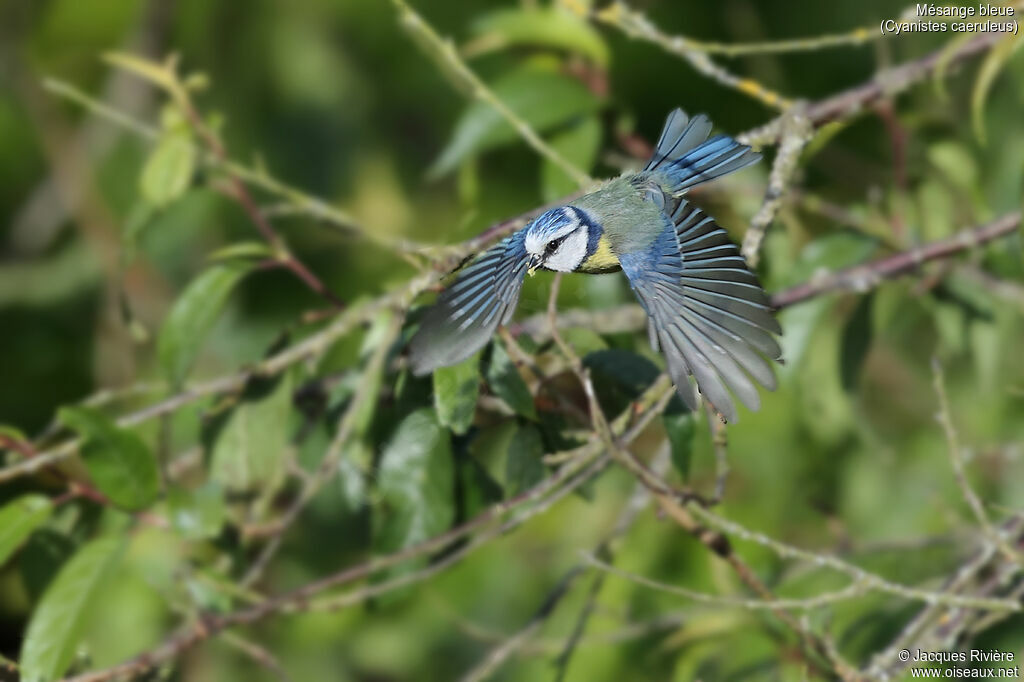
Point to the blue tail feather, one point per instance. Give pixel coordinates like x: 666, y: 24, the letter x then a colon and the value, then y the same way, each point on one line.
x: 685, y: 157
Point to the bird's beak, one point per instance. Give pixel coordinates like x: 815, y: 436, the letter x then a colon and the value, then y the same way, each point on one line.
x: 532, y: 265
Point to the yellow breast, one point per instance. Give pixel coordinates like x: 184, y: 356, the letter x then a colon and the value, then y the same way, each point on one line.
x: 603, y: 260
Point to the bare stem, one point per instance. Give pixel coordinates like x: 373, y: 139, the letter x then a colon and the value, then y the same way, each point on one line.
x: 945, y: 418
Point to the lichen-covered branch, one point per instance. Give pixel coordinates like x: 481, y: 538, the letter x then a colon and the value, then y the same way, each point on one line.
x: 867, y: 276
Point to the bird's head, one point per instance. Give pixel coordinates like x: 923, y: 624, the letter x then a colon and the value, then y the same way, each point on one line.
x: 558, y: 240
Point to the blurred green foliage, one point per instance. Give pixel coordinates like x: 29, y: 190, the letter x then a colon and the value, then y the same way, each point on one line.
x: 125, y: 262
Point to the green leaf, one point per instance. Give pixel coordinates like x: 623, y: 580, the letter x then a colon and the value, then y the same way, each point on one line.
x: 552, y: 27
x: 416, y: 483
x: 197, y: 514
x: 506, y: 382
x: 159, y: 74
x: 542, y: 97
x: 680, y: 428
x: 118, y: 461
x: 855, y: 343
x: 249, y: 440
x: 56, y: 625
x: 579, y: 146
x: 139, y: 217
x: 524, y: 467
x: 192, y: 317
x: 994, y: 62
x: 250, y: 250
x: 478, y: 489
x: 41, y: 558
x: 956, y: 162
x: 456, y: 389
x: 169, y: 168
x: 619, y: 377
x: 12, y: 433
x: 18, y: 518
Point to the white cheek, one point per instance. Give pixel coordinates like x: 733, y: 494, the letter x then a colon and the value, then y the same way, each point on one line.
x: 570, y: 254
x: 533, y: 245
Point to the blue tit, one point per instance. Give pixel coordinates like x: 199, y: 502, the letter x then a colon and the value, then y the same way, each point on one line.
x: 706, y: 311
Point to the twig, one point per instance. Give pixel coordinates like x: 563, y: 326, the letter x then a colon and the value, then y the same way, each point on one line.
x: 945, y: 418
x: 313, y: 206
x: 860, y: 278
x: 310, y: 347
x: 499, y: 654
x: 796, y: 133
x: 509, y: 646
x: 859, y: 575
x: 260, y: 655
x: 1008, y: 290
x: 282, y: 254
x: 447, y: 55
x: 719, y: 443
x: 639, y: 501
x: 337, y: 602
x: 868, y: 275
x: 805, y: 604
x: 854, y: 38
x: 936, y: 626
x: 636, y: 25
x: 332, y: 458
x: 887, y: 83
x: 669, y: 499
x: 573, y: 473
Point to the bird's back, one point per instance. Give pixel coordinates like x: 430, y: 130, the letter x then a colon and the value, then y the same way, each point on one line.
x: 629, y: 221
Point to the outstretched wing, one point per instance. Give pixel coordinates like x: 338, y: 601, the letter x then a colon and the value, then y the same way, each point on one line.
x: 466, y: 314
x: 708, y: 313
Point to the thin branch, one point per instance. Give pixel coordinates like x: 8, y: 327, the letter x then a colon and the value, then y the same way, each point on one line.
x: 859, y: 278
x: 240, y: 192
x: 306, y: 203
x: 804, y: 604
x: 945, y: 418
x: 311, y: 347
x: 669, y: 499
x: 258, y: 654
x: 858, y: 574
x: 936, y: 626
x: 854, y: 38
x: 886, y: 83
x: 719, y: 545
x: 506, y: 648
x: 868, y: 275
x: 636, y: 25
x: 576, y: 470
x: 501, y: 653
x: 720, y: 445
x: 447, y: 55
x: 311, y: 485
x: 796, y: 133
